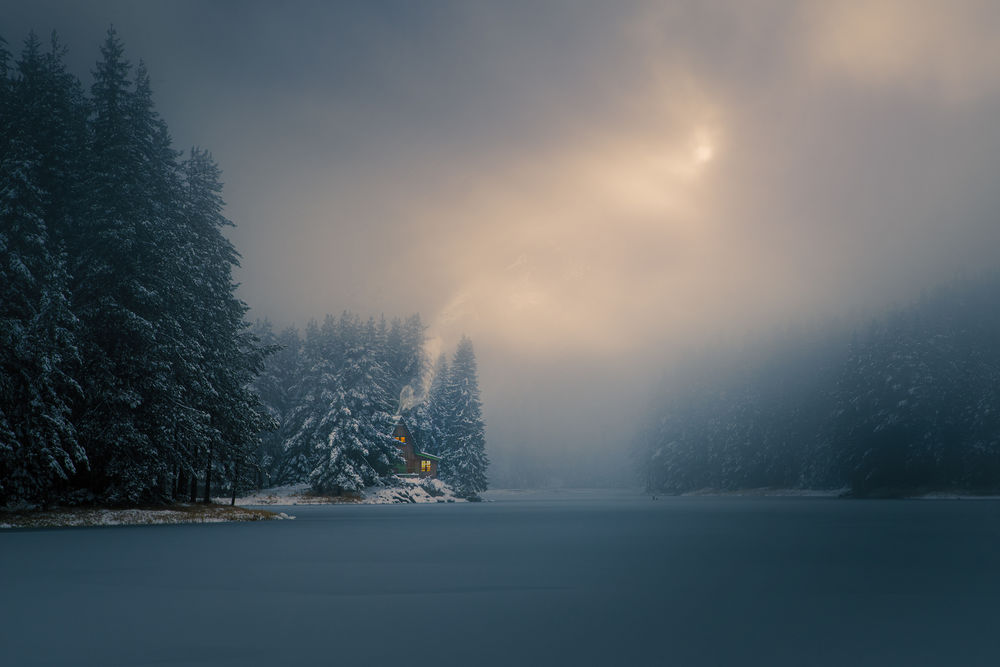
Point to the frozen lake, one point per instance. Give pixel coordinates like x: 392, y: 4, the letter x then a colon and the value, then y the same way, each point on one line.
x: 570, y: 579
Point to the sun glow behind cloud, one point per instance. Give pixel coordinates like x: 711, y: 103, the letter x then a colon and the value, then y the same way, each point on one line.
x: 570, y: 249
x: 949, y: 47
x: 705, y: 175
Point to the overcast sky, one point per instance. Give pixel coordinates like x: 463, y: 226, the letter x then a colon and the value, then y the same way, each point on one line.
x: 586, y: 189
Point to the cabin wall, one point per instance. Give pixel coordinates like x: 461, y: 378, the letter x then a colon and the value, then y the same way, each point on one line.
x: 409, y: 456
x: 409, y: 453
x: 432, y: 473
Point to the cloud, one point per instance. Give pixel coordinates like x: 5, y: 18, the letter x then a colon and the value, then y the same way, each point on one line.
x: 731, y: 173
x: 948, y: 48
x: 569, y: 247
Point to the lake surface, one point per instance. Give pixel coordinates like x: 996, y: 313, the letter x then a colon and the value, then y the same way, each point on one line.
x: 571, y: 579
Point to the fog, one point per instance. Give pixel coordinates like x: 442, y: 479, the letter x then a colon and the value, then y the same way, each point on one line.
x: 590, y: 191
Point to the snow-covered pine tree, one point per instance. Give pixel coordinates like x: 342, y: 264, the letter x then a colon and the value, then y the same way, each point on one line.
x: 116, y: 298
x: 5, y: 85
x: 39, y: 450
x: 167, y: 354
x: 172, y: 412
x: 314, y: 393
x: 427, y: 420
x: 8, y: 439
x: 276, y: 388
x: 404, y: 354
x: 464, y: 459
x: 358, y: 449
x: 115, y: 271
x: 231, y: 355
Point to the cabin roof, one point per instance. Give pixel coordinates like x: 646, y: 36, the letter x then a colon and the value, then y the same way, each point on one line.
x: 402, y: 428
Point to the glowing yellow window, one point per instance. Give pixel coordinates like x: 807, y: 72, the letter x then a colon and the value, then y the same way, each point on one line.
x: 425, y: 466
x: 401, y: 438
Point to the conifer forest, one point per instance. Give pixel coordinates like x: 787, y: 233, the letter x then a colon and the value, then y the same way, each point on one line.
x: 128, y: 370
x: 905, y: 405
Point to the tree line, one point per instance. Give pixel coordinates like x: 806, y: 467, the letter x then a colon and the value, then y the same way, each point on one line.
x: 909, y: 404
x: 125, y: 361
x: 337, y: 390
x: 127, y: 370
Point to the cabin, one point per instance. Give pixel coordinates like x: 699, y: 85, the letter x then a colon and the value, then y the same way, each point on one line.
x: 416, y: 463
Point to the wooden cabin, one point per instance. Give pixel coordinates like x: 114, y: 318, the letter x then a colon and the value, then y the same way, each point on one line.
x: 416, y: 462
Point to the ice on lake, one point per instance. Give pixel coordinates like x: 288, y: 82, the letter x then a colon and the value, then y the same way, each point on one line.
x: 565, y: 578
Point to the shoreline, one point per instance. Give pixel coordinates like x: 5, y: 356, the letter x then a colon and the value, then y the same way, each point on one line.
x: 181, y: 513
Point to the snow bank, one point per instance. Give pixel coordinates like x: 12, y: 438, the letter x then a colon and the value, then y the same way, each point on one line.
x: 400, y: 490
x: 187, y: 513
x: 408, y: 490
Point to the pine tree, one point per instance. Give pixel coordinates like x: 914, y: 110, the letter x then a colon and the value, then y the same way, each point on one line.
x: 232, y: 356
x: 404, y: 354
x: 39, y: 449
x: 304, y: 426
x: 114, y: 297
x: 464, y: 459
x: 114, y: 270
x: 358, y: 449
x: 427, y: 420
x: 276, y: 386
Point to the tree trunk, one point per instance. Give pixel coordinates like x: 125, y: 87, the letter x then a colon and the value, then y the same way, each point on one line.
x: 236, y: 477
x: 194, y: 487
x: 208, y: 475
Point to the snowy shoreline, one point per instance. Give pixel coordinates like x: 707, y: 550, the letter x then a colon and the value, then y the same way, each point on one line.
x: 402, y: 491
x: 99, y: 516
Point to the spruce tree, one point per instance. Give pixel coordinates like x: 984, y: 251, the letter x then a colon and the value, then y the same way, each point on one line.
x: 464, y: 459
x: 231, y: 354
x: 115, y: 301
x: 276, y: 386
x: 307, y: 422
x: 39, y: 449
x: 404, y: 354
x: 358, y: 450
x: 427, y: 421
x: 125, y: 361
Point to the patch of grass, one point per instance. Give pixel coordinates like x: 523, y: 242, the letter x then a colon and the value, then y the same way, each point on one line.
x: 100, y: 516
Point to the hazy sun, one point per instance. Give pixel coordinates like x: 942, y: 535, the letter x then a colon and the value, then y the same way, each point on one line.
x: 703, y: 153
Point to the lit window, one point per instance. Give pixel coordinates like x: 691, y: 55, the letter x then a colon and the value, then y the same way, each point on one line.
x: 425, y: 466
x: 401, y: 438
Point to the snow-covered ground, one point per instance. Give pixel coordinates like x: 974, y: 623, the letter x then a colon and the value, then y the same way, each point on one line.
x: 409, y: 490
x: 402, y: 490
x: 196, y: 513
